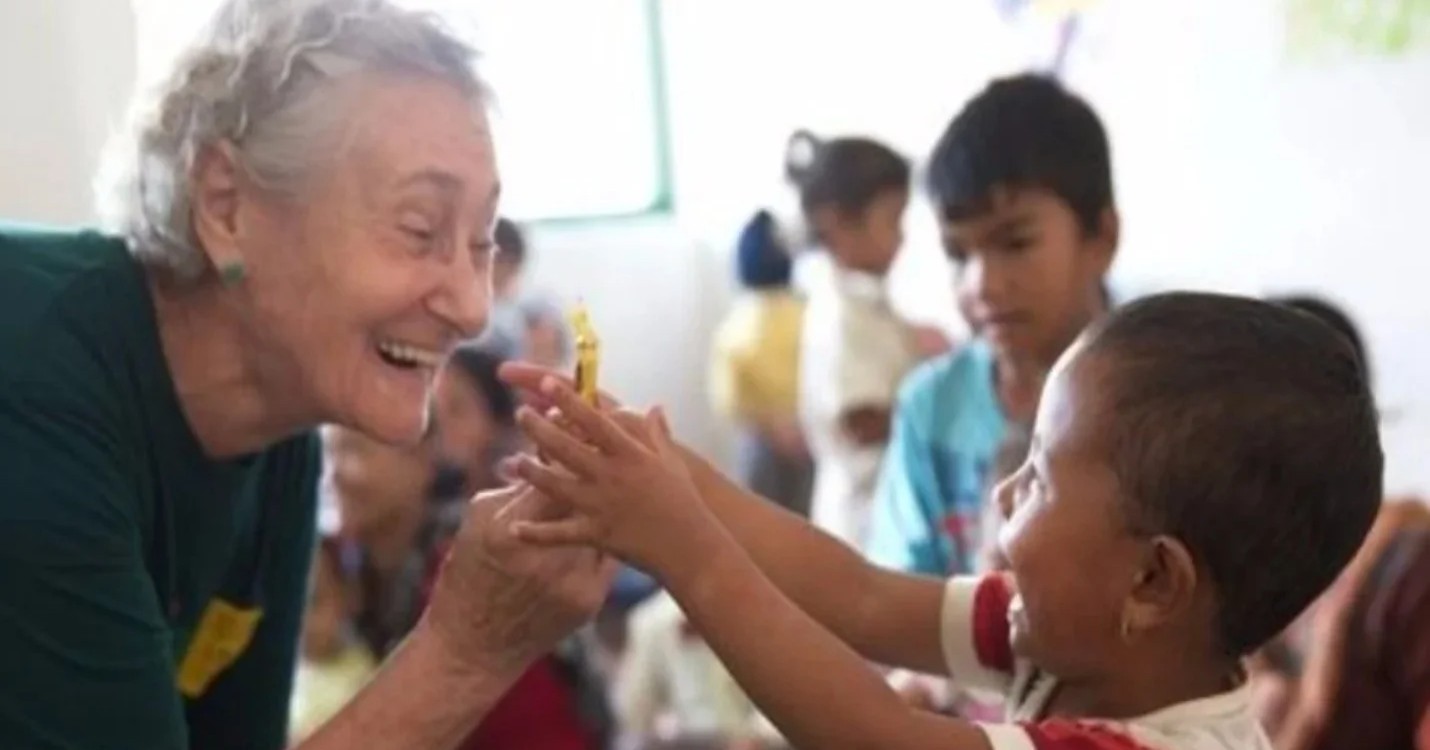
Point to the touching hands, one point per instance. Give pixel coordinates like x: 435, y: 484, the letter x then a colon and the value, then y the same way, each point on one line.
x: 623, y: 479
x: 500, y: 604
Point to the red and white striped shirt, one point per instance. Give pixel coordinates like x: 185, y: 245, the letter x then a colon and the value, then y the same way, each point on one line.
x: 979, y: 656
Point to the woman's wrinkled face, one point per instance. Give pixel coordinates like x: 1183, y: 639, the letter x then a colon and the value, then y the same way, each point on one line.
x: 362, y: 280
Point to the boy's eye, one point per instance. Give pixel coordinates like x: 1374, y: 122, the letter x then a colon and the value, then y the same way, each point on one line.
x: 1018, y: 244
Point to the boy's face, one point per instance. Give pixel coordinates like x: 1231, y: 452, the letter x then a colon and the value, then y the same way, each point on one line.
x: 1072, y: 562
x: 1027, y: 275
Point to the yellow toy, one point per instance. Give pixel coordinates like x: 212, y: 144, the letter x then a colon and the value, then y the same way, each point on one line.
x: 588, y: 355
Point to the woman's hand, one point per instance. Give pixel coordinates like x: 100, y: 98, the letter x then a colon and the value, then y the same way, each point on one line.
x: 622, y: 476
x: 500, y: 604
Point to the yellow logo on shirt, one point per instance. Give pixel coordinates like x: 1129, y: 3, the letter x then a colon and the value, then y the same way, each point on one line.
x: 224, y: 632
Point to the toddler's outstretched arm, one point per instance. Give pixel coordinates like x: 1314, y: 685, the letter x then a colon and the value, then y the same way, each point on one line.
x: 631, y: 494
x: 889, y: 617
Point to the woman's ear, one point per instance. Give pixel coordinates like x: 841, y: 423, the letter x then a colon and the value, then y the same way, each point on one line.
x: 215, y: 203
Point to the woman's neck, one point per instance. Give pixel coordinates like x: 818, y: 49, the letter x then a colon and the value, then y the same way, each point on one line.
x: 230, y: 407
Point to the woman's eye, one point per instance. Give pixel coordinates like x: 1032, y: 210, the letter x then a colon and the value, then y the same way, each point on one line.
x: 421, y: 234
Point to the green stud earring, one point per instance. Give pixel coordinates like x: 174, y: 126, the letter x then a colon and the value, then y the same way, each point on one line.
x: 232, y: 273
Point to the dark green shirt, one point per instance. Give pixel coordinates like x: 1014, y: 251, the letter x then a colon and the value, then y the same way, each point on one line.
x: 116, y: 531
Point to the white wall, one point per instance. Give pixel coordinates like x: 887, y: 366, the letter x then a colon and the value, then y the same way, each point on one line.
x: 66, y: 67
x: 1236, y: 170
x: 1239, y: 169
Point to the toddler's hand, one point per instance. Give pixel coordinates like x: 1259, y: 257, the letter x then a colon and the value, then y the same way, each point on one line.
x: 624, y: 479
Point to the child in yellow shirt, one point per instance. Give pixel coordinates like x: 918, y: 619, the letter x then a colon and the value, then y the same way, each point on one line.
x: 754, y: 373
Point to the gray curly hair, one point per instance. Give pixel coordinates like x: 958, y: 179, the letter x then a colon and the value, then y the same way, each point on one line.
x: 260, y: 76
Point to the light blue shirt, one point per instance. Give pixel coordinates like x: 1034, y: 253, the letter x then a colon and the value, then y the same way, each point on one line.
x: 947, y: 430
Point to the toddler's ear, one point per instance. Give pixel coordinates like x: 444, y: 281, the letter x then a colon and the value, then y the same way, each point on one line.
x: 1164, y: 588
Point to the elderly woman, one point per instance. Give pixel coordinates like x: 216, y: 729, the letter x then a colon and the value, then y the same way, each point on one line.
x: 304, y: 232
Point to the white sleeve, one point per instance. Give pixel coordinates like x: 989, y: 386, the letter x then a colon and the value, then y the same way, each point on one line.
x: 1008, y: 737
x: 1071, y: 734
x: 974, y: 633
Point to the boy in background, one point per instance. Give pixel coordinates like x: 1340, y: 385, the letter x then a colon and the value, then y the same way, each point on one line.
x: 1022, y: 181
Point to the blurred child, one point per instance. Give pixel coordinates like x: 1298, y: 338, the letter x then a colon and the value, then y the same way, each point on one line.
x: 399, y: 513
x: 671, y: 687
x: 522, y: 326
x: 754, y: 373
x: 333, y: 664
x: 387, y: 530
x: 1022, y: 182
x: 1186, y: 454
x: 473, y: 423
x: 854, y: 349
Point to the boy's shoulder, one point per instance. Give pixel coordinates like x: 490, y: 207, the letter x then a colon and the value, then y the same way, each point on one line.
x: 967, y: 368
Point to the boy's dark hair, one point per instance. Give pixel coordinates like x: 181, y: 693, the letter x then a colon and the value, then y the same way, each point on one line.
x: 511, y: 243
x: 1025, y: 131
x: 1247, y: 430
x: 482, y: 366
x: 1332, y: 315
x: 844, y: 173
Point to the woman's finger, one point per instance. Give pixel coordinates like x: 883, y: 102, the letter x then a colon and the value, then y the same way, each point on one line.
x: 526, y: 375
x: 555, y: 442
x: 555, y: 483
x: 597, y: 428
x: 572, y: 530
